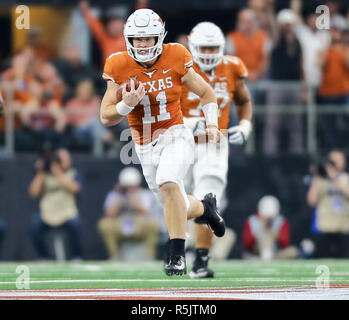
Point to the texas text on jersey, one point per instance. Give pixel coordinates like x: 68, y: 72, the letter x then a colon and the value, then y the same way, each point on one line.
x: 160, y: 107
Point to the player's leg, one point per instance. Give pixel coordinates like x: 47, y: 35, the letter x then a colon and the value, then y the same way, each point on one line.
x: 176, y: 158
x: 161, y: 177
x: 164, y: 168
x: 203, y: 235
x: 173, y: 165
x: 175, y: 210
x: 204, y: 180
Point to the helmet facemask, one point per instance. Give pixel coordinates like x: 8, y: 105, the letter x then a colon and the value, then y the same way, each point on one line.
x: 206, y: 61
x: 152, y: 52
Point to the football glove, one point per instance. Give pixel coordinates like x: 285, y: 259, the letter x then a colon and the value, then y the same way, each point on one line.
x: 238, y: 135
x: 199, y: 128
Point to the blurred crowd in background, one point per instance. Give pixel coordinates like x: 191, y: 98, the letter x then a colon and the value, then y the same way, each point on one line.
x: 292, y: 64
x: 56, y: 95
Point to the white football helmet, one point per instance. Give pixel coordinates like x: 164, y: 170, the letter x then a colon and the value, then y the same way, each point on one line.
x: 144, y: 23
x: 206, y: 34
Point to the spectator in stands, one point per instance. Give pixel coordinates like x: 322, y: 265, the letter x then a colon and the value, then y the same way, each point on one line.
x: 34, y: 41
x: 334, y: 89
x: 313, y: 41
x: 44, y: 120
x: 266, y: 234
x: 334, y: 9
x: 127, y: 215
x: 328, y: 195
x: 2, y: 236
x: 110, y: 38
x: 83, y: 114
x: 18, y: 81
x: 249, y: 43
x: 264, y: 12
x: 56, y: 184
x: 17, y: 90
x: 285, y: 65
x: 72, y: 70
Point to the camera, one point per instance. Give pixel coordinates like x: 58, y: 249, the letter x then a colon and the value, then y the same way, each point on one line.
x: 48, y: 156
x: 319, y: 166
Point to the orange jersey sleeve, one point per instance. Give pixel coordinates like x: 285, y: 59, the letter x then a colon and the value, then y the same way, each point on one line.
x: 160, y: 107
x: 114, y: 65
x: 223, y: 80
x: 186, y: 62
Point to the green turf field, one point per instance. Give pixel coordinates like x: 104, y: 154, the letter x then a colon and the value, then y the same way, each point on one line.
x: 232, y: 273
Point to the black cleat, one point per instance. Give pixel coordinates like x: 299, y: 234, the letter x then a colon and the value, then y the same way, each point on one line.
x: 176, y: 266
x: 200, y: 269
x: 211, y: 217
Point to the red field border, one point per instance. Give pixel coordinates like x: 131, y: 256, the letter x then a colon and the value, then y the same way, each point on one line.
x: 334, y: 291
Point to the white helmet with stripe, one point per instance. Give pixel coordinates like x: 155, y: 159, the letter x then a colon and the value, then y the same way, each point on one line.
x: 144, y: 23
x: 206, y: 34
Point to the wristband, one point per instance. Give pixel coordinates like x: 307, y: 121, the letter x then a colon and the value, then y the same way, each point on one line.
x: 211, y: 114
x: 123, y: 109
x: 246, y: 127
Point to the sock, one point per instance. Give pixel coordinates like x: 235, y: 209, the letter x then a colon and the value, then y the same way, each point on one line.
x: 177, y: 247
x: 201, y: 252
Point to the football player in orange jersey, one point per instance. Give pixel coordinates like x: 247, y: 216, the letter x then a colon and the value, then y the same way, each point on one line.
x: 209, y: 171
x: 164, y: 145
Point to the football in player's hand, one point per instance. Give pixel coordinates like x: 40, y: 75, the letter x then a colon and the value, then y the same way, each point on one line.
x: 128, y: 88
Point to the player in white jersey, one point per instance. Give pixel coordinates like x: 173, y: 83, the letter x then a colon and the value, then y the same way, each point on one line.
x: 226, y: 75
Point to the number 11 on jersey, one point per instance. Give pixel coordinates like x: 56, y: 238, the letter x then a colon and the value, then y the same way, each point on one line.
x: 163, y: 114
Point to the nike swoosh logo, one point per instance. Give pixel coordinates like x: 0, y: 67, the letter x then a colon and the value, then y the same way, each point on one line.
x: 165, y: 71
x: 181, y: 266
x: 220, y: 218
x: 154, y: 144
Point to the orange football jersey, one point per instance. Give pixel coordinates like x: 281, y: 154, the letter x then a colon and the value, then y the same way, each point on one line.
x: 223, y: 80
x: 160, y: 108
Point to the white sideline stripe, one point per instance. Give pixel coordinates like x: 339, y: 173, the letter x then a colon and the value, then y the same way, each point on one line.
x: 173, y: 280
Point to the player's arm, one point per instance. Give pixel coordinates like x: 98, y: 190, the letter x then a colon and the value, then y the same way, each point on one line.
x: 195, y: 83
x: 112, y: 112
x: 95, y: 25
x: 242, y: 98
